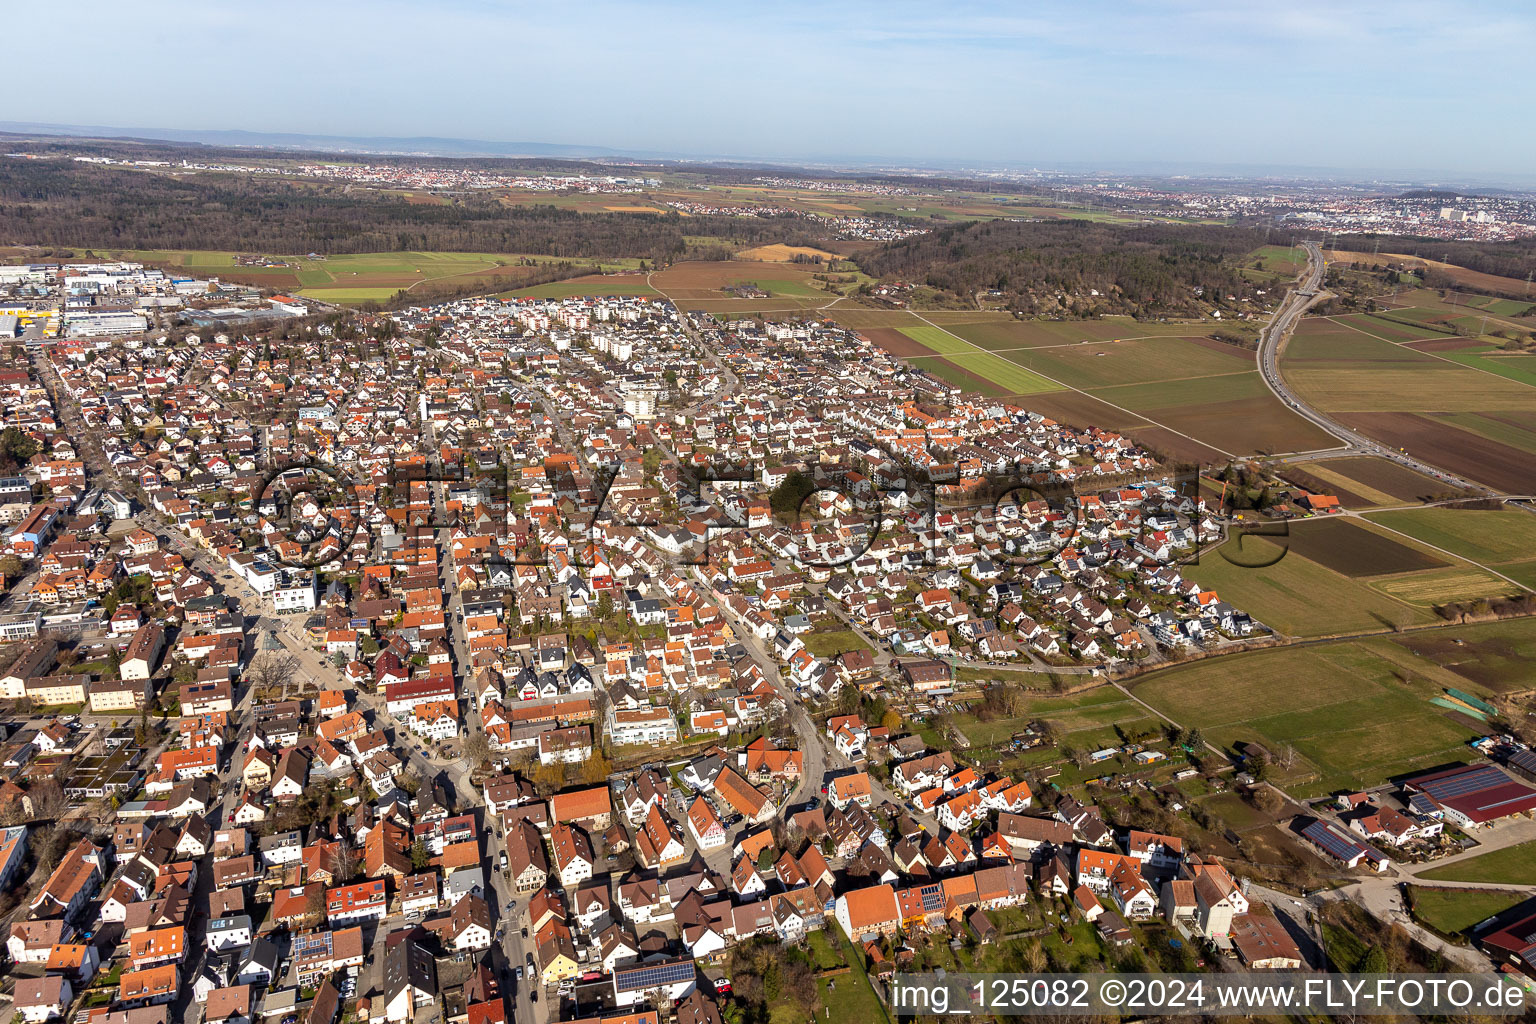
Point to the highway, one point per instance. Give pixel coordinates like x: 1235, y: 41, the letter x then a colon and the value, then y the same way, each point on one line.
x: 1272, y: 341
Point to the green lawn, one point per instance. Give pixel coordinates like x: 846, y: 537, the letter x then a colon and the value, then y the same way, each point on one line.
x: 1452, y: 911
x: 1514, y: 865
x: 826, y: 643
x: 850, y: 997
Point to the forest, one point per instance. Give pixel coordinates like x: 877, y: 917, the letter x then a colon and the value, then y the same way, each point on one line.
x: 1053, y: 267
x: 45, y: 202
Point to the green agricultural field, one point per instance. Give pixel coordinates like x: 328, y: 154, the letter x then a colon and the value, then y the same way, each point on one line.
x: 1437, y: 587
x: 1521, y: 572
x: 1453, y: 911
x: 1003, y: 335
x: 1279, y: 260
x: 1515, y: 865
x: 1147, y: 360
x: 1516, y: 429
x: 1499, y: 307
x: 1296, y: 595
x: 1010, y: 376
x: 948, y: 371
x: 1437, y: 386
x: 1197, y: 391
x: 1383, y: 325
x: 786, y: 287
x: 361, y: 277
x: 1491, y: 537
x: 1323, y: 339
x: 1355, y: 712
x: 1516, y: 367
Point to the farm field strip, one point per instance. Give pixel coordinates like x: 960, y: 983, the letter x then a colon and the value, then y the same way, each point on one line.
x: 1297, y: 595
x: 1427, y: 589
x: 1373, y: 471
x: 1502, y: 466
x: 1325, y: 473
x: 1519, y: 367
x: 1504, y: 427
x: 1346, y: 546
x: 953, y: 343
x: 1008, y: 375
x: 1492, y: 539
x: 1471, y: 360
x: 1217, y: 414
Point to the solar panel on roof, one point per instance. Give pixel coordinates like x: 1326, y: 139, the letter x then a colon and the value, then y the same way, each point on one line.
x: 1333, y: 841
x: 652, y: 976
x: 1484, y: 776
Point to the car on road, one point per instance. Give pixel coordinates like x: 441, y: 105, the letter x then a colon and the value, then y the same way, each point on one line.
x: 517, y: 975
x: 530, y: 959
x: 525, y: 933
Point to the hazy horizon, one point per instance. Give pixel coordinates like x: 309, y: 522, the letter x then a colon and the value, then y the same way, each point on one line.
x: 1189, y: 83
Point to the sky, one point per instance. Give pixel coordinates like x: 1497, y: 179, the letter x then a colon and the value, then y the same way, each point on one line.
x: 1349, y: 84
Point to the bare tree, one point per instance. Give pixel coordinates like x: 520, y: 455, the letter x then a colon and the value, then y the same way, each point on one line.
x: 272, y: 670
x: 345, y: 861
x: 477, y: 748
x: 47, y: 798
